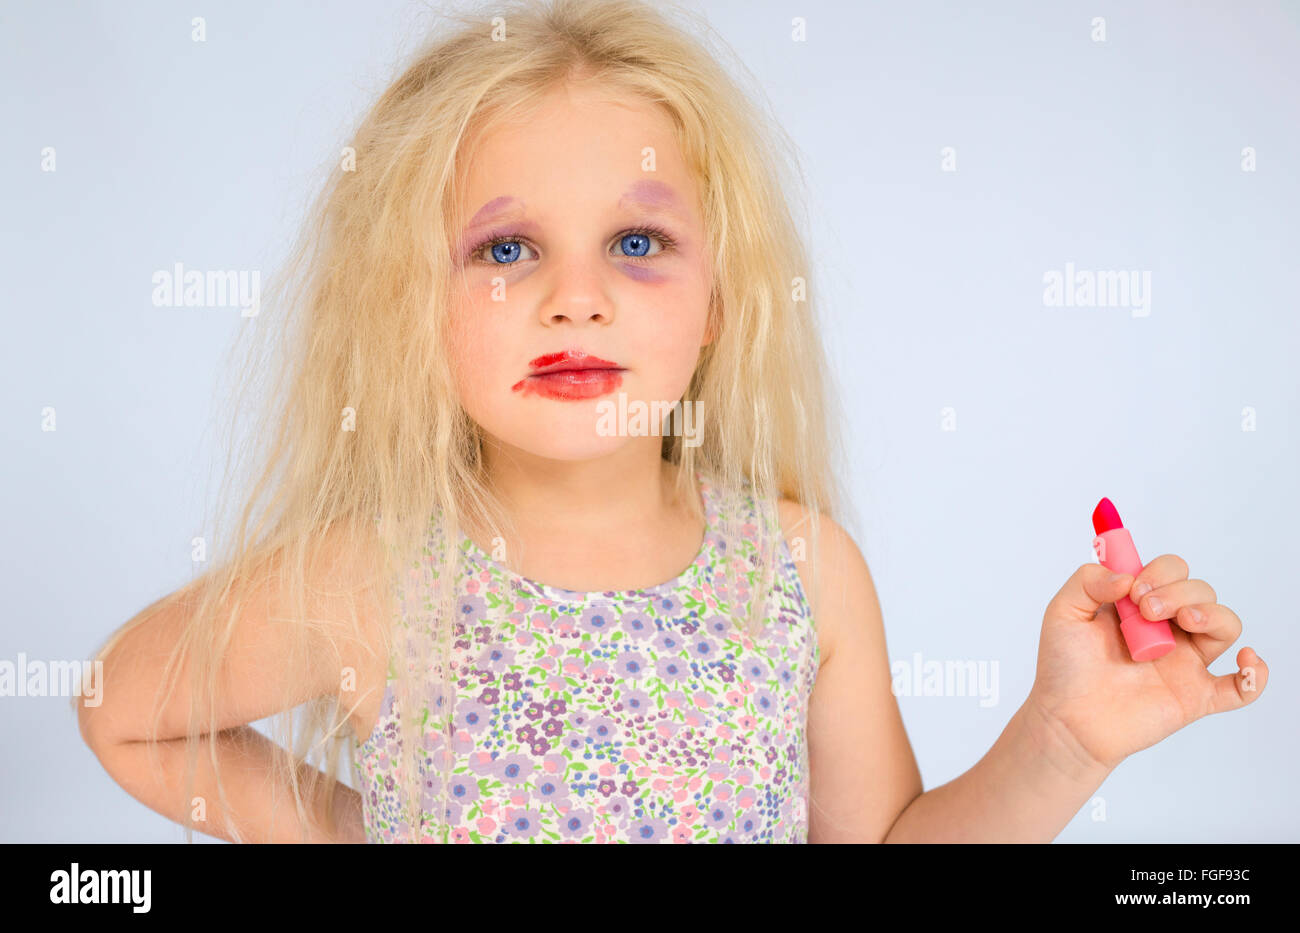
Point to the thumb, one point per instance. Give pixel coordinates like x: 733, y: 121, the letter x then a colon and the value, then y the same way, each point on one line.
x: 1086, y: 591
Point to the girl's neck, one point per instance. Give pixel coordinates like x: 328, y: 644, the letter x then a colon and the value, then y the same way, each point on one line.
x: 595, y: 525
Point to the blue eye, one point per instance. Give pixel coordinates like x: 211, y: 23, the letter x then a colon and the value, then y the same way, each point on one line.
x: 506, y: 252
x: 634, y: 244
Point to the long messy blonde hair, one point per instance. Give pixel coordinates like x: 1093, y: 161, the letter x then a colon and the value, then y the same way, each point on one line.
x: 360, y: 426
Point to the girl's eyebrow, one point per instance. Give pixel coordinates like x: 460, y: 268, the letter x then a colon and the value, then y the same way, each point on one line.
x: 647, y: 194
x: 652, y: 195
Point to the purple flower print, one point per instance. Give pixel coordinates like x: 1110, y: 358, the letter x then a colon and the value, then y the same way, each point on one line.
x: 552, y: 728
x: 539, y: 746
x: 718, y: 626
x: 513, y: 769
x: 617, y: 808
x: 637, y: 702
x: 513, y: 681
x: 717, y: 815
x: 669, y: 642
x: 666, y: 605
x: 522, y: 823
x: 432, y: 786
x: 638, y: 626
x: 462, y: 788
x: 726, y: 674
x: 489, y: 695
x: 647, y: 830
x: 575, y: 823
x: 598, y: 619
x: 602, y: 729
x: 471, y: 608
x: 483, y: 634
x: 630, y: 665
x: 549, y: 788
x: 755, y: 669
x: 749, y: 821
x: 535, y: 711
x: 556, y: 706
x: 703, y: 649
x: 606, y: 787
x: 574, y: 742
x: 672, y: 669
x: 764, y: 703
x: 785, y: 674
x: 629, y: 789
x: 496, y: 658
x: 525, y: 734
x: 452, y: 813
x: 472, y: 718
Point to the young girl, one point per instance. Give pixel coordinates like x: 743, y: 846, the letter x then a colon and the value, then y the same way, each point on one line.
x: 541, y: 620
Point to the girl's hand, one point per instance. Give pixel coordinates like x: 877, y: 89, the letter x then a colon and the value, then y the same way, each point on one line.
x: 1112, y: 706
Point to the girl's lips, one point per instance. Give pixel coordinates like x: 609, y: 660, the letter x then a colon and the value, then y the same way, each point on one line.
x: 569, y: 360
x: 571, y: 384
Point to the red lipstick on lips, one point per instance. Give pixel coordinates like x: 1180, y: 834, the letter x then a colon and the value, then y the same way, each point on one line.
x: 570, y: 375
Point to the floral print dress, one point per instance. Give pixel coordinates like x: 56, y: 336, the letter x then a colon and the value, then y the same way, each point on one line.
x: 620, y: 716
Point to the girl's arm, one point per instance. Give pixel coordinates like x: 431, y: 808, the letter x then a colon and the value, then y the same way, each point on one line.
x: 259, y: 678
x: 861, y: 768
x: 1026, y: 789
x: 1090, y: 707
x: 260, y: 811
x: 866, y: 786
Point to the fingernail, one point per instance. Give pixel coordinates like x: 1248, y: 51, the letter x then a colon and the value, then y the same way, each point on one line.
x: 1195, y: 616
x: 1116, y: 577
x: 1142, y: 589
x: 1154, y: 606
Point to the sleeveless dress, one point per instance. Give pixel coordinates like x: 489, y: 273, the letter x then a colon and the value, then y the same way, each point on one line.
x: 619, y: 716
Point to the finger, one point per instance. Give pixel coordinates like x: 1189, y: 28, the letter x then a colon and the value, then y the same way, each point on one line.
x: 1233, y: 691
x: 1216, y: 628
x: 1167, y: 568
x: 1088, y: 588
x: 1164, y: 601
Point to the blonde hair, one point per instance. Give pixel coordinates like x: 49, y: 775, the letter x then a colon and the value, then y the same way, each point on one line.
x: 357, y: 328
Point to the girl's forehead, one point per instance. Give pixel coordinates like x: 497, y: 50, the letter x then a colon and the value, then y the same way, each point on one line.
x: 648, y: 194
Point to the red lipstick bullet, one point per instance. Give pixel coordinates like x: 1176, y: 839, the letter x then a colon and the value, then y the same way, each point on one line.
x: 1114, y: 548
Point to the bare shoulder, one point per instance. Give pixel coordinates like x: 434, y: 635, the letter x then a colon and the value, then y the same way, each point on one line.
x: 267, y: 667
x: 844, y: 587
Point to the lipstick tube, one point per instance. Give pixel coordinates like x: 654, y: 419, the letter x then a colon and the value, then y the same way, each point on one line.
x: 1115, y: 551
